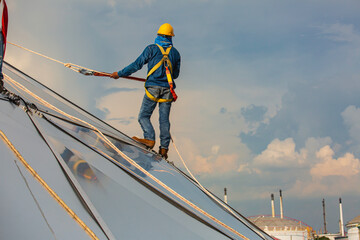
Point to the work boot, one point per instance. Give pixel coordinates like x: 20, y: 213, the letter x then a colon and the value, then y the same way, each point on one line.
x: 163, y: 152
x: 148, y: 143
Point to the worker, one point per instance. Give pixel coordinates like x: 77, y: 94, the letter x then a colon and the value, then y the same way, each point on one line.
x: 163, y: 62
x: 3, y: 36
x: 2, y: 52
x: 2, y: 46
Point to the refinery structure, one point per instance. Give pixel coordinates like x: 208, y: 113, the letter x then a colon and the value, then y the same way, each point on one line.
x: 282, y: 227
x: 286, y: 228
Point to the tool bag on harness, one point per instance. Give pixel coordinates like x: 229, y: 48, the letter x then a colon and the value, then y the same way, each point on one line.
x: 168, y: 67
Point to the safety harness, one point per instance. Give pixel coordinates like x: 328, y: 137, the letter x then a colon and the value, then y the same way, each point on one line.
x: 168, y: 67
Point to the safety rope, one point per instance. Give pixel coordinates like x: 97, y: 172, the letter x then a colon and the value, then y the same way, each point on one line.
x: 48, y: 188
x: 106, y: 140
x: 72, y: 66
x: 204, y: 189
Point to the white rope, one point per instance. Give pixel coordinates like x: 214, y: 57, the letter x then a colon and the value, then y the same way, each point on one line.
x: 204, y: 189
x: 42, y: 55
x: 106, y: 140
x: 72, y: 66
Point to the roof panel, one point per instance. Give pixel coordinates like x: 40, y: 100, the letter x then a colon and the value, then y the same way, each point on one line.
x: 114, y: 184
x: 18, y: 208
x: 36, y: 154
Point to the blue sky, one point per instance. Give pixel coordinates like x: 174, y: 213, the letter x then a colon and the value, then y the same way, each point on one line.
x: 268, y: 90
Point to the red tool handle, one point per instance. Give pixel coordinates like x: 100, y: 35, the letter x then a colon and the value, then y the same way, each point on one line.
x: 104, y: 74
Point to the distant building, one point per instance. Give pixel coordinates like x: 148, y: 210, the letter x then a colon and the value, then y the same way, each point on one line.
x: 283, y: 228
x: 353, y: 228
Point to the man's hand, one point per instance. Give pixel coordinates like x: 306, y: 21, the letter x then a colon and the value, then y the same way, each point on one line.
x: 114, y: 75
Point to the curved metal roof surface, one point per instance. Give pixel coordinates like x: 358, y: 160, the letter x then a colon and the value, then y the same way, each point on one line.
x: 65, y: 174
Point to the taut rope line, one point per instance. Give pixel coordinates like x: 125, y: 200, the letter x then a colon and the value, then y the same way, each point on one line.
x: 72, y: 66
x: 203, y: 188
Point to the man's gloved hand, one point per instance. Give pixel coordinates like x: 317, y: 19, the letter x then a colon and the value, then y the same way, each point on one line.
x: 114, y: 75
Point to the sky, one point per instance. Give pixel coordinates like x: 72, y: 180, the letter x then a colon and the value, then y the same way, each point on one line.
x: 268, y: 90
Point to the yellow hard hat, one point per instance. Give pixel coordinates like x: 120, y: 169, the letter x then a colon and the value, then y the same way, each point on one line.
x: 166, y: 29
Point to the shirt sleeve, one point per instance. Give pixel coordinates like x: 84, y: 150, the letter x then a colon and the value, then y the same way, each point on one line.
x: 137, y: 64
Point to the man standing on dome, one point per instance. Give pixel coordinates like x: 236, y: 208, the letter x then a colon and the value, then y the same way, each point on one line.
x: 163, y: 62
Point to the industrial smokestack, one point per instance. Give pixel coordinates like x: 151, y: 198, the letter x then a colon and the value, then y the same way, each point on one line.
x: 342, y: 232
x: 225, y: 195
x: 281, y: 206
x: 272, y: 205
x: 323, y: 204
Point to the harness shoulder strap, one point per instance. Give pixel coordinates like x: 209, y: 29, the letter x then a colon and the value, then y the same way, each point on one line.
x: 165, y: 58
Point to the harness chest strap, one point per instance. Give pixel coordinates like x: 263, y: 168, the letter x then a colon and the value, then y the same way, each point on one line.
x: 165, y: 60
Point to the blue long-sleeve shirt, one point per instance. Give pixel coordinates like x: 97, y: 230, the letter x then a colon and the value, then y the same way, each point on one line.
x: 151, y: 56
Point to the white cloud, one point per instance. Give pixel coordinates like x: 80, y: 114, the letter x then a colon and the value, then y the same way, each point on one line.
x: 331, y: 186
x: 208, y: 163
x: 311, y: 171
x: 214, y: 165
x: 328, y: 175
x: 281, y: 154
x: 345, y: 166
